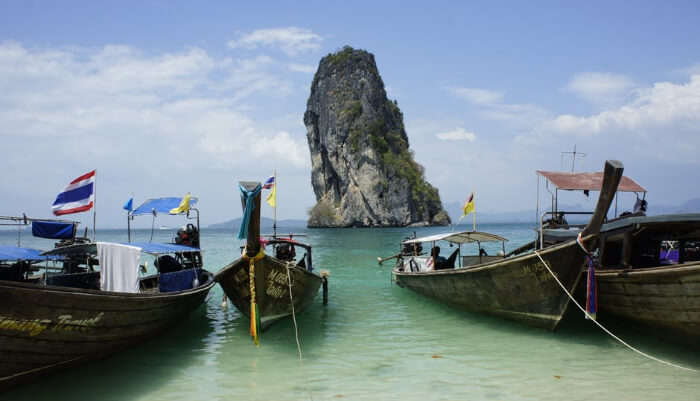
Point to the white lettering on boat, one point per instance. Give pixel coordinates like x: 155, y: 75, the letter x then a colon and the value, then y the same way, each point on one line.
x: 276, y: 284
x: 35, y: 327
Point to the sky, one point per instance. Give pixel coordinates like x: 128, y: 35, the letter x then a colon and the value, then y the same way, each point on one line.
x: 165, y: 98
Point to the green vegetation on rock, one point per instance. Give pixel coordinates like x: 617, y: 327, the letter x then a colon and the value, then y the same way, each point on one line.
x: 323, y: 214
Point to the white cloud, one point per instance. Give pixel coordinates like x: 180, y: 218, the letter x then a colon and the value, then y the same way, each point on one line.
x: 309, y: 69
x: 601, y: 88
x: 254, y: 76
x: 458, y: 134
x: 492, y: 107
x: 291, y: 40
x: 478, y: 96
x: 149, y: 122
x: 661, y: 123
x: 663, y: 104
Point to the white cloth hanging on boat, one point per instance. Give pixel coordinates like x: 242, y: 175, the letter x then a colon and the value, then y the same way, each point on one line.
x: 119, y: 267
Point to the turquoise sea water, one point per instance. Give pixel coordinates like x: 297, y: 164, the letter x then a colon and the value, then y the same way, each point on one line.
x: 373, y: 341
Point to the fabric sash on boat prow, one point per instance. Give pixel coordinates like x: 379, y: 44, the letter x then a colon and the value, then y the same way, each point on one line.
x: 249, y: 207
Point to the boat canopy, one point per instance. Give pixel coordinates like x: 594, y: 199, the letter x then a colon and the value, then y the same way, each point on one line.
x: 587, y: 181
x: 461, y: 237
x: 160, y: 205
x: 146, y: 247
x: 159, y: 249
x: 15, y: 253
x: 53, y: 229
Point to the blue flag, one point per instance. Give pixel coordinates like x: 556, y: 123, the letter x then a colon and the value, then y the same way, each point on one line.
x: 129, y: 205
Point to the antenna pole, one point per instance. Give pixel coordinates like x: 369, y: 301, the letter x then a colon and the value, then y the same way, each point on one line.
x: 573, y: 157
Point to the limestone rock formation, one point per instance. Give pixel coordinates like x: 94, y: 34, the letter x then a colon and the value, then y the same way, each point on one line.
x: 363, y: 172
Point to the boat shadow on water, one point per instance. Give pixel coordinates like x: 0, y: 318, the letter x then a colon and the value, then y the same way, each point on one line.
x: 280, y: 337
x: 574, y: 331
x: 131, y: 373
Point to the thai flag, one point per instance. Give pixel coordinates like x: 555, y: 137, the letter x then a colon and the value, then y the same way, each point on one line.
x: 78, y: 196
x: 269, y: 183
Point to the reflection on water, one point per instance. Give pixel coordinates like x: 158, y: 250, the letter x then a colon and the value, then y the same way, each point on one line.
x: 373, y: 341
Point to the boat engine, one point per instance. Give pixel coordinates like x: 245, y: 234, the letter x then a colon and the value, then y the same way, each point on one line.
x: 188, y: 235
x: 411, y: 249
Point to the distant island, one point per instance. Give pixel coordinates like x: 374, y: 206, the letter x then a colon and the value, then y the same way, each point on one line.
x: 454, y: 209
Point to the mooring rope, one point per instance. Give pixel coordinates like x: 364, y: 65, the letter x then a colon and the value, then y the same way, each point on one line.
x: 601, y: 326
x: 294, y: 316
x: 296, y: 328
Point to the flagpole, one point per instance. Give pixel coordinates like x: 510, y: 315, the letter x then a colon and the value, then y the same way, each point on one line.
x: 474, y: 217
x: 274, y: 223
x: 94, y: 211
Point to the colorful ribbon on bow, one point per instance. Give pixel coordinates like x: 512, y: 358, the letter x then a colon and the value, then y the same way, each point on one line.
x: 254, y: 312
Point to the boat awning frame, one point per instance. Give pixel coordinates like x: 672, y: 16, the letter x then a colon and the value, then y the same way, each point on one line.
x: 462, y: 237
x: 587, y: 181
x: 160, y: 205
x: 146, y: 247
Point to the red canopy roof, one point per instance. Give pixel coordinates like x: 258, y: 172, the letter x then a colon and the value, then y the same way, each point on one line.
x: 587, y: 181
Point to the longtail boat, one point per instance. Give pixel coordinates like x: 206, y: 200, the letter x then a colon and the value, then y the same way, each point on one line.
x: 267, y: 280
x: 518, y: 287
x: 649, y: 272
x: 648, y: 267
x: 58, y: 309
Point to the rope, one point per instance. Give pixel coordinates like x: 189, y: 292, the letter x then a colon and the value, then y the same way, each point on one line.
x: 600, y: 325
x: 249, y: 207
x: 296, y: 328
x: 294, y: 316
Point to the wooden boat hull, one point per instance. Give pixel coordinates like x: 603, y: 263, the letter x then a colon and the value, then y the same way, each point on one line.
x: 47, y: 328
x: 667, y: 297
x: 518, y: 288
x: 271, y: 288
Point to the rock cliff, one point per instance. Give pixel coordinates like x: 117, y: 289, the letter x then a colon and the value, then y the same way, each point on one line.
x: 362, y: 169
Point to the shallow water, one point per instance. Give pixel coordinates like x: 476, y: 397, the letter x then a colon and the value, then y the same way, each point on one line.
x: 372, y: 341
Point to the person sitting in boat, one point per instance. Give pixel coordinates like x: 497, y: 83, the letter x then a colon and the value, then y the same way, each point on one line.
x: 438, y: 262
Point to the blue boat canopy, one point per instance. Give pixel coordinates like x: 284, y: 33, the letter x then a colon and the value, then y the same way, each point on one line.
x: 160, y: 205
x: 53, y: 229
x: 146, y: 247
x: 15, y: 253
x: 157, y: 249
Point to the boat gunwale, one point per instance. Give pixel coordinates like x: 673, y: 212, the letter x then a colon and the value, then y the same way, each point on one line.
x: 682, y: 268
x: 226, y: 270
x: 492, y: 264
x: 112, y: 294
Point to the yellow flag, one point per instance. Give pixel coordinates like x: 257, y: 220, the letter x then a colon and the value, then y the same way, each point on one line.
x: 184, y: 205
x: 468, y: 205
x: 272, y: 197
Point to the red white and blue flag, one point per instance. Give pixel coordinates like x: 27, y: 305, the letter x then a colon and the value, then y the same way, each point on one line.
x: 269, y: 183
x: 78, y: 196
